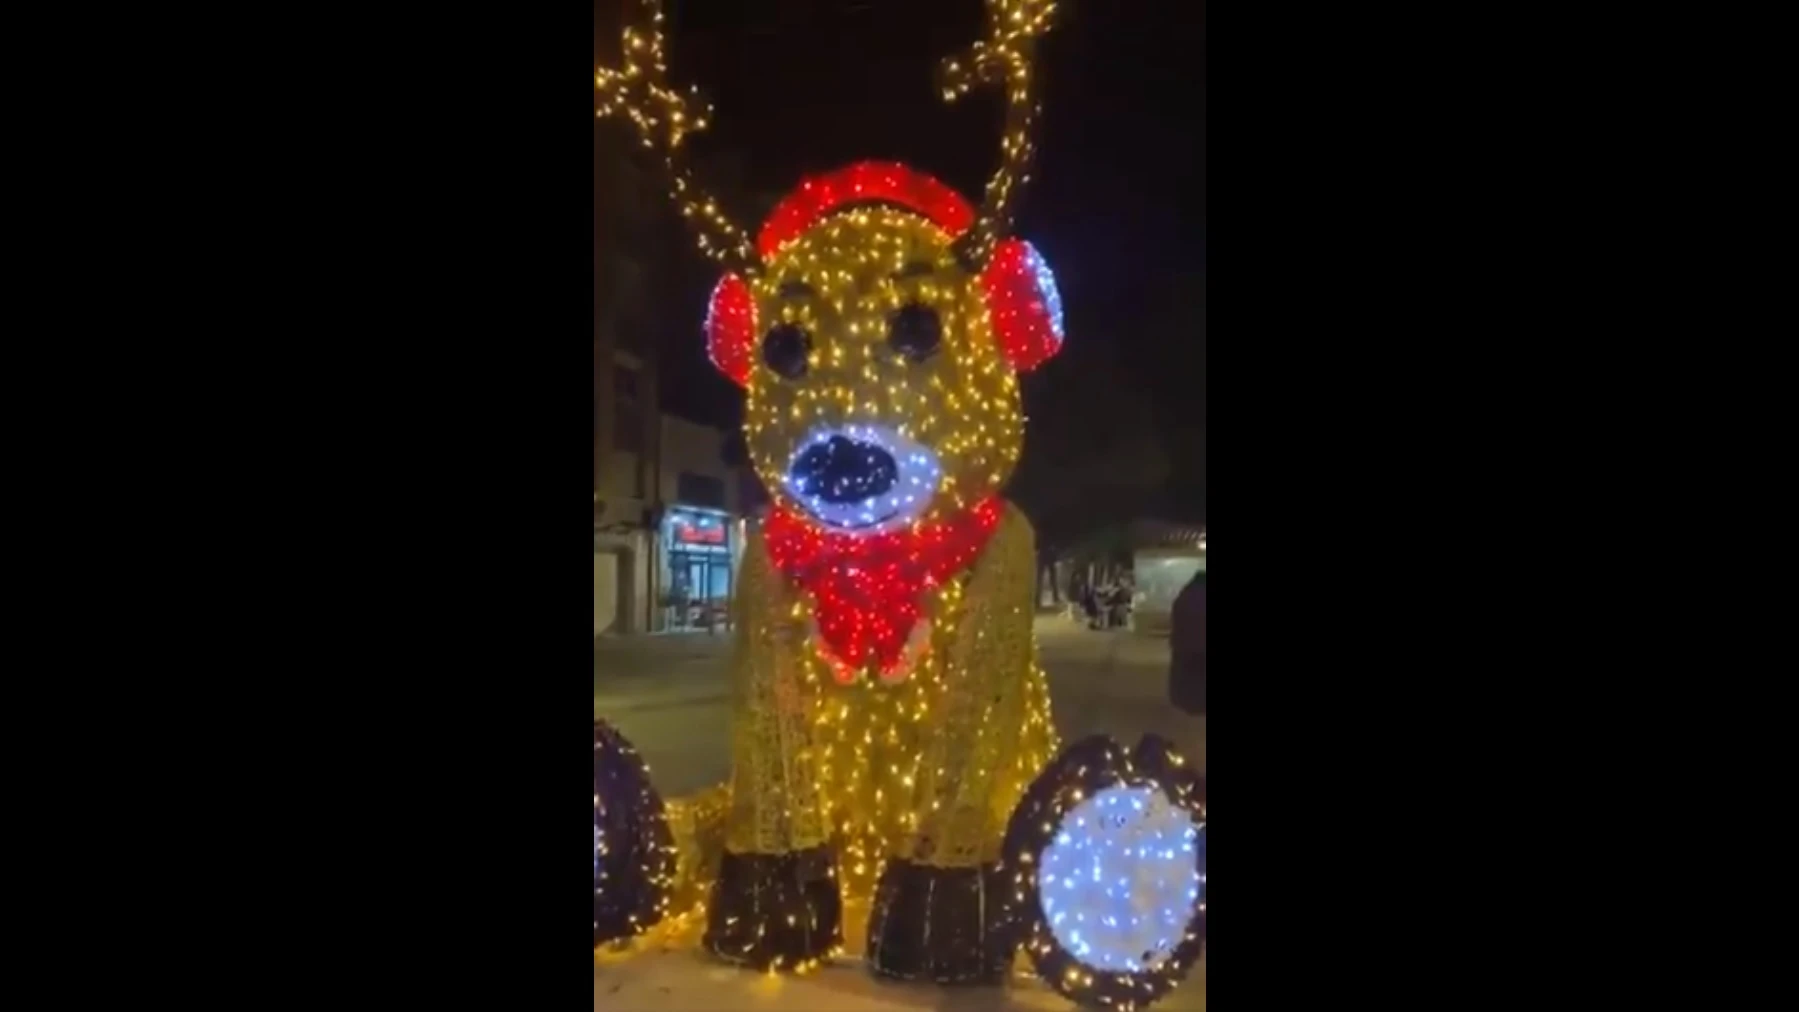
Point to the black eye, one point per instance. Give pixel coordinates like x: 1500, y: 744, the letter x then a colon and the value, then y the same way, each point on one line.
x: 915, y: 331
x: 784, y: 349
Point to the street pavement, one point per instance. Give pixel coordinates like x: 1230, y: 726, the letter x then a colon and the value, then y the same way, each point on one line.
x: 681, y: 978
x: 667, y: 694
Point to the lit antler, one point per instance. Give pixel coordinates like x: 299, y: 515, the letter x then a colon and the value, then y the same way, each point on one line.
x: 1003, y: 57
x: 664, y: 117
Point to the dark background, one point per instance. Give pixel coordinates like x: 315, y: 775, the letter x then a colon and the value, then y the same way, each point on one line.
x: 1117, y: 205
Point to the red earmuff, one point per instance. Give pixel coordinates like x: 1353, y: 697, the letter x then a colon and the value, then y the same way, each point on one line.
x: 1024, y: 304
x: 862, y: 183
x: 731, y: 328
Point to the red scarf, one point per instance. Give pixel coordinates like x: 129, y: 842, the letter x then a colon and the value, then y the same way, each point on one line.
x: 869, y: 588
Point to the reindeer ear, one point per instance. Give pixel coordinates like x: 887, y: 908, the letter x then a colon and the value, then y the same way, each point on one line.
x: 1023, y: 304
x: 731, y: 328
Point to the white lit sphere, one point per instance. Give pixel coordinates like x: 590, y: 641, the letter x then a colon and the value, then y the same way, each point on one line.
x: 1122, y: 878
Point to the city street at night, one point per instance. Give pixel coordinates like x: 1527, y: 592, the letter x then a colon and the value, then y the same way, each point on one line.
x: 668, y: 695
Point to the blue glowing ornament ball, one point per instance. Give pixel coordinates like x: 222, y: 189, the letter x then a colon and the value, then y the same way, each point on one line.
x: 1107, y: 853
x: 633, y: 850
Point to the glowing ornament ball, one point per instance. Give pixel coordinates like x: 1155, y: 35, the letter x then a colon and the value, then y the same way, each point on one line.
x: 634, y: 857
x: 1107, y: 852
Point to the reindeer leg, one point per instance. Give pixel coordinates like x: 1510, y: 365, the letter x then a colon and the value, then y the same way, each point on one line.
x: 776, y: 902
x: 938, y: 912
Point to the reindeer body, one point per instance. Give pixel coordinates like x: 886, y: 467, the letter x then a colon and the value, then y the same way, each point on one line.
x: 926, y: 767
x: 889, y: 711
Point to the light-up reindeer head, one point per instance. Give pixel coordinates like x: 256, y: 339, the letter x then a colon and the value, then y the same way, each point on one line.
x: 878, y: 322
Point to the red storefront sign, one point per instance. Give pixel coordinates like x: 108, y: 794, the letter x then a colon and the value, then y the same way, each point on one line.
x: 690, y: 534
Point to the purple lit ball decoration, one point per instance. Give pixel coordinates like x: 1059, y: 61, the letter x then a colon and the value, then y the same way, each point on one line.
x: 1107, y: 858
x: 633, y: 850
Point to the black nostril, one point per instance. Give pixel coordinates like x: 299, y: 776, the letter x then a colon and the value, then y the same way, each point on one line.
x: 839, y: 470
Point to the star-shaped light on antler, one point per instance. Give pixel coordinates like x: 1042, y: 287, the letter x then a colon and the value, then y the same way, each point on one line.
x: 663, y: 116
x: 640, y: 91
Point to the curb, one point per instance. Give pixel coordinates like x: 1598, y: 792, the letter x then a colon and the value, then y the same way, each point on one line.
x: 614, y: 704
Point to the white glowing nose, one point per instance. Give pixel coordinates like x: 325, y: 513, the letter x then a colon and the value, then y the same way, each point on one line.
x: 862, y: 477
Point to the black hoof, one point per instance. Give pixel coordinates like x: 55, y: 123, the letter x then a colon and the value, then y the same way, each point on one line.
x: 772, y: 911
x: 946, y: 925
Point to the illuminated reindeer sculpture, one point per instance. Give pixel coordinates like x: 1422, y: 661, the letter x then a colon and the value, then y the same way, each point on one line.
x: 889, y: 711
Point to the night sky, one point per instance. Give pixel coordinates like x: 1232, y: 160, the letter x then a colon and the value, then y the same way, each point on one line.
x: 1117, y: 203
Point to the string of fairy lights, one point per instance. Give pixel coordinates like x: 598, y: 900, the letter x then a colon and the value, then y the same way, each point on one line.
x: 664, y: 117
x: 1003, y: 58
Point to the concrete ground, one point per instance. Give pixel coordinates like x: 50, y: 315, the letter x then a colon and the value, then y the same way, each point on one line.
x: 667, y: 972
x: 667, y: 694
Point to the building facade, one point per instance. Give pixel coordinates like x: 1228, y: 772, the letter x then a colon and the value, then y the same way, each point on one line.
x: 1166, y: 557
x: 626, y: 435
x: 668, y: 533
x: 627, y: 416
x: 666, y: 502
x: 701, y: 534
